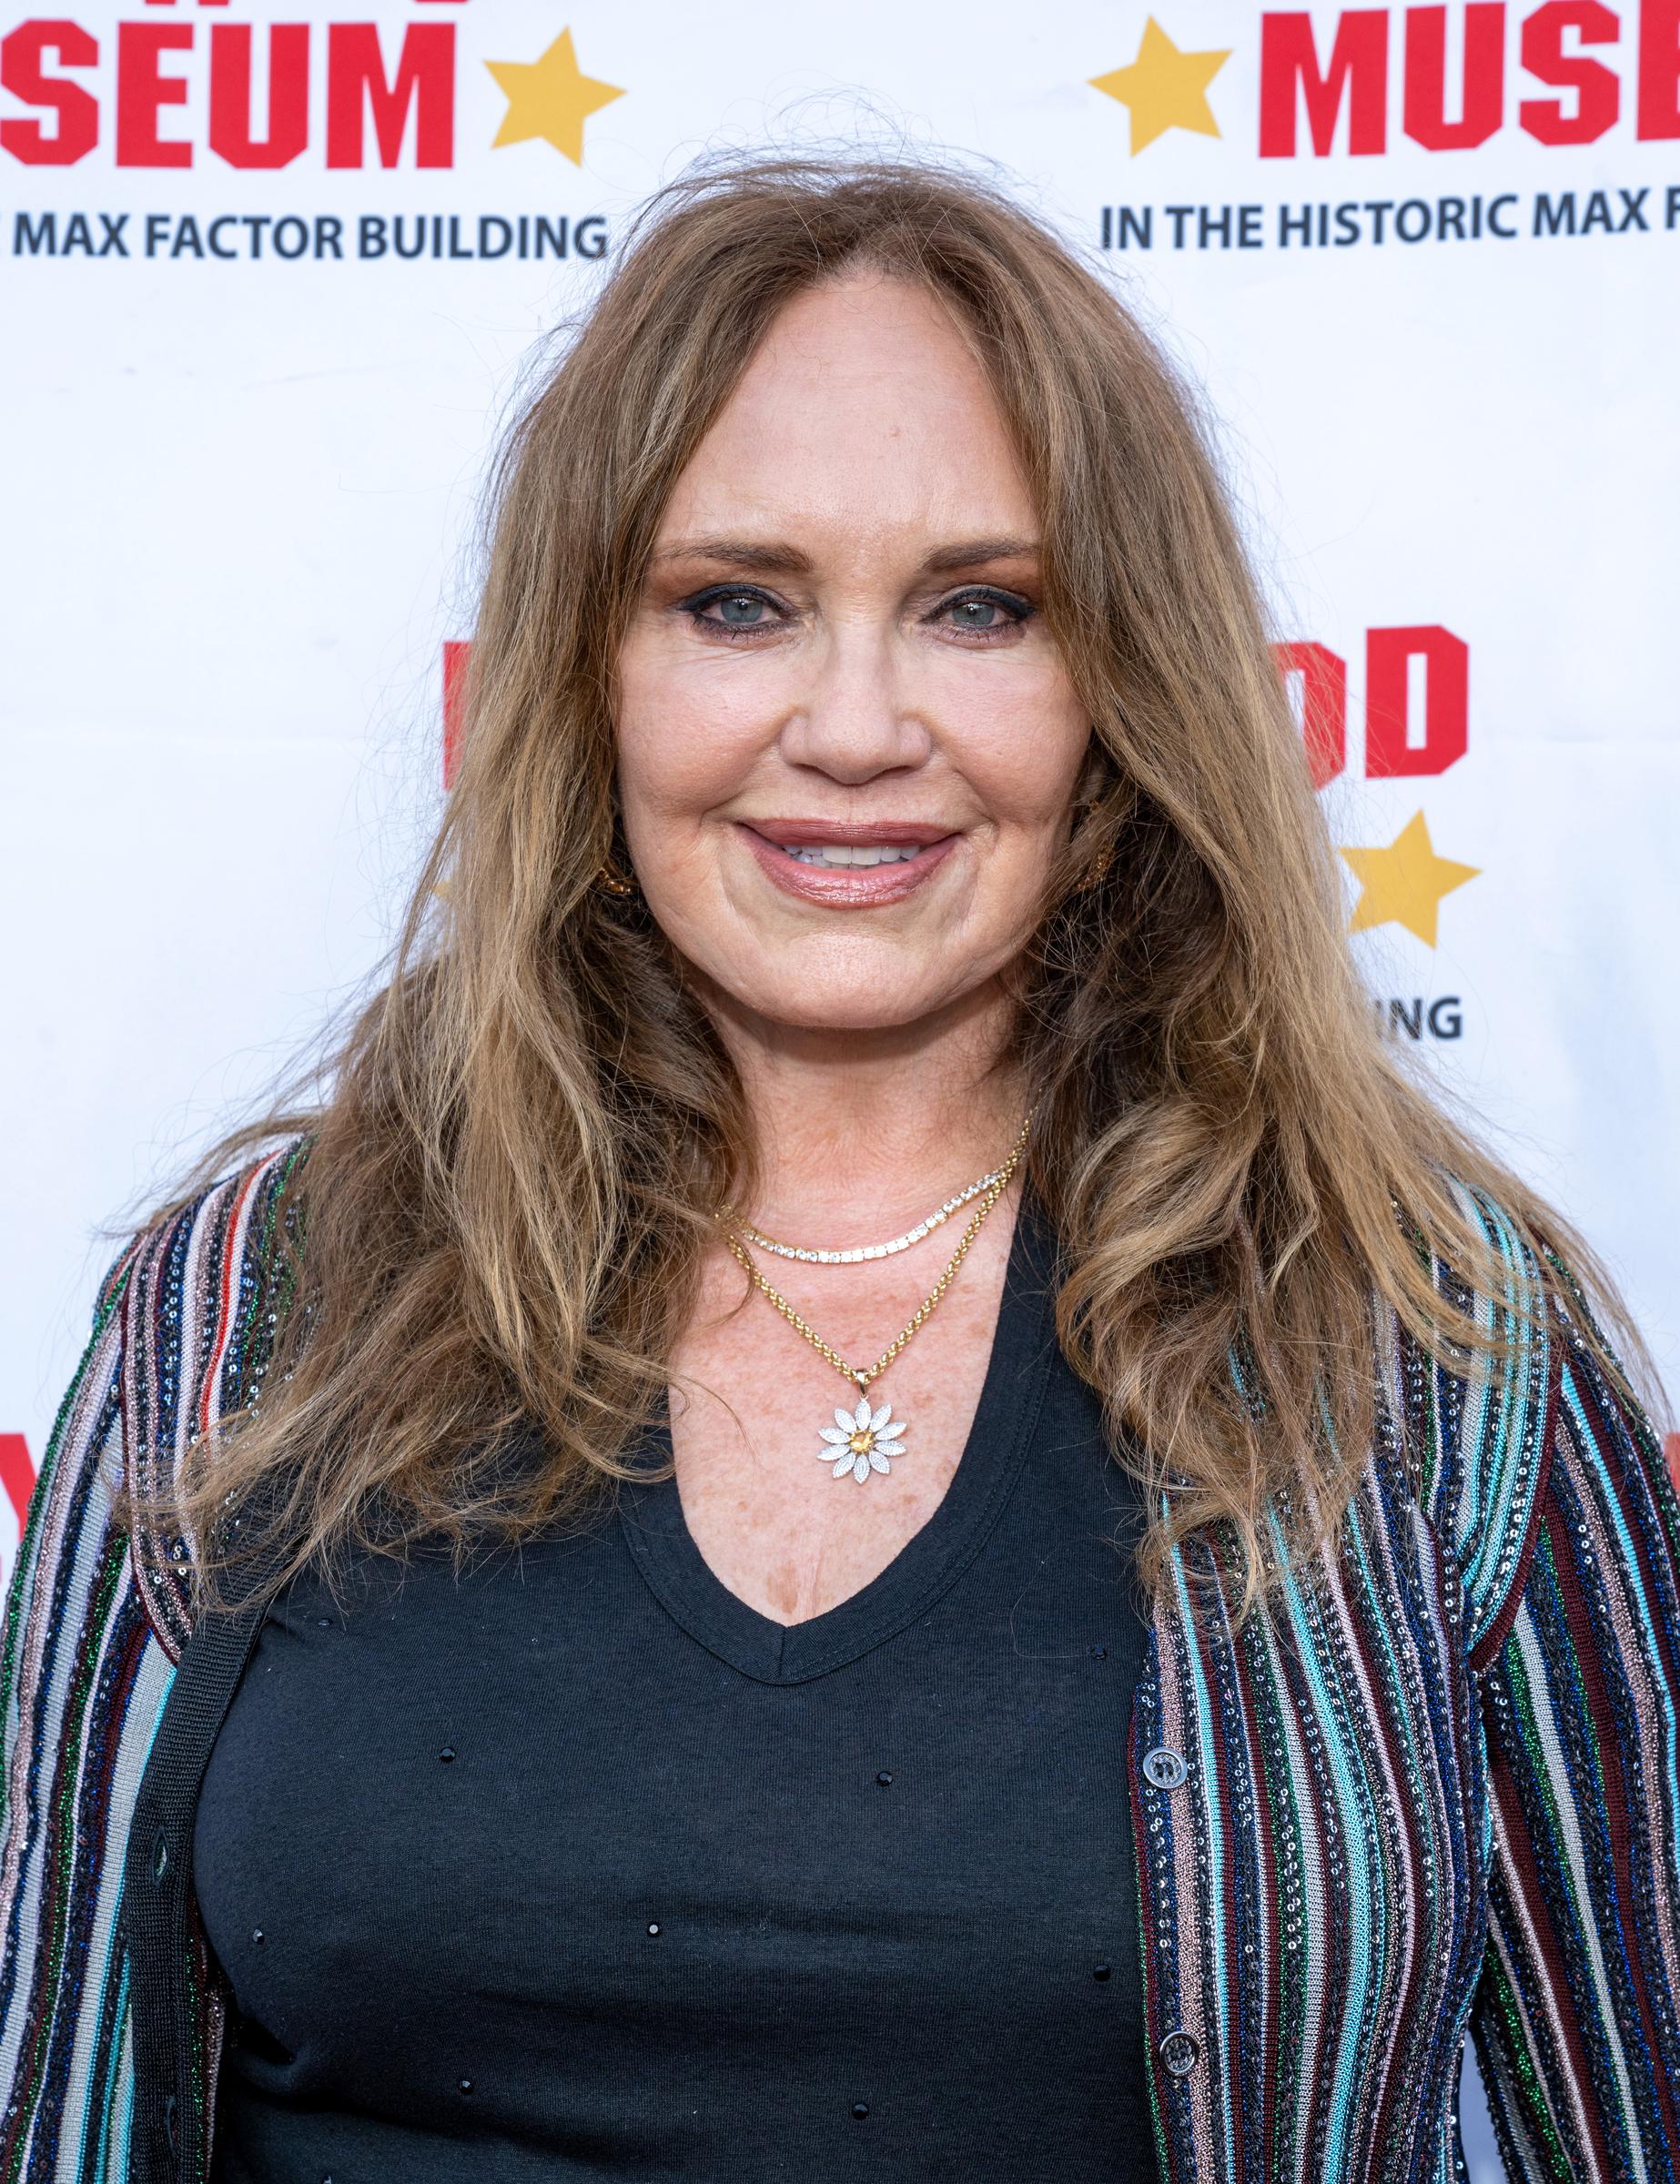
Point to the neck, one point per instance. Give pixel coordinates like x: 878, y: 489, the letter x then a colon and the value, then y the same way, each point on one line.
x: 860, y: 1130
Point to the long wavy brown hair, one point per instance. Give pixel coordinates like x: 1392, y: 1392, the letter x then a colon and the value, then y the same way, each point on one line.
x: 522, y: 1143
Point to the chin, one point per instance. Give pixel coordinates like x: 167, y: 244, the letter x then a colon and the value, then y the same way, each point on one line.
x: 843, y: 1005
x: 842, y: 982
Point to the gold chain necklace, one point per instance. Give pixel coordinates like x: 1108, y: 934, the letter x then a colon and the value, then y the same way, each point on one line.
x: 854, y: 1253
x: 863, y: 1440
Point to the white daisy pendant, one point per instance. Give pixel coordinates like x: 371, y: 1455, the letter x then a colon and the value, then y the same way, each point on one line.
x: 862, y: 1441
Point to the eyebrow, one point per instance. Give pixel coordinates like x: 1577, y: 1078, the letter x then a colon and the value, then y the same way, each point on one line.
x: 788, y: 561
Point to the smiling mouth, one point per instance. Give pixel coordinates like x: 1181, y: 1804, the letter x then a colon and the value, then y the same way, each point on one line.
x: 857, y: 866
x: 842, y: 856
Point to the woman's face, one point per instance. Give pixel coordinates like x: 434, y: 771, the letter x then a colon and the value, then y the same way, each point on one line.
x: 847, y: 744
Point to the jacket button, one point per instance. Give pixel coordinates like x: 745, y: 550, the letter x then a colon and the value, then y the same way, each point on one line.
x: 1178, y: 2051
x: 1164, y: 1768
x: 160, y: 1855
x: 168, y: 2124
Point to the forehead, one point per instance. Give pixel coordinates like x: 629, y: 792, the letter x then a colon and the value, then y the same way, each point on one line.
x: 865, y: 406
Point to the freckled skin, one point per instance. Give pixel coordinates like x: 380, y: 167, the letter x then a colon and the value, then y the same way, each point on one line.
x: 864, y: 437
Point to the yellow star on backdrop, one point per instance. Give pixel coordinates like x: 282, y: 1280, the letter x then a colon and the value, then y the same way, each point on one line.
x: 1164, y: 88
x: 1405, y: 882
x: 551, y: 99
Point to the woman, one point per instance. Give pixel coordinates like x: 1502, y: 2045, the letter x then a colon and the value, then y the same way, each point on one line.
x: 879, y: 993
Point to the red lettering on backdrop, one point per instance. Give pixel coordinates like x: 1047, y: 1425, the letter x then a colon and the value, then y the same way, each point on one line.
x: 1359, y: 65
x: 1446, y: 701
x: 1659, y: 69
x: 454, y: 695
x: 1323, y: 704
x: 1597, y: 94
x: 425, y: 81
x: 22, y: 52
x: 1426, y: 120
x: 230, y: 95
x: 16, y: 1474
x: 143, y: 90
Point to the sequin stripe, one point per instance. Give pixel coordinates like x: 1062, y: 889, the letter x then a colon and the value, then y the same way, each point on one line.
x: 37, y: 2097
x: 1247, y: 1897
x: 109, y: 2148
x: 1645, y: 1706
x: 1440, y: 1818
x: 1588, y: 1901
x: 1583, y: 1619
x: 1634, y: 1559
x: 97, y: 2061
x: 1365, y: 1632
x: 266, y: 1278
x: 233, y: 1283
x: 1610, y: 1457
x: 1641, y: 1540
x: 167, y: 1307
x: 1189, y: 1828
x: 1530, y: 2143
x: 60, y: 1883
x: 1223, y: 1886
x: 151, y: 1321
x: 206, y: 1229
x: 72, y: 1546
x: 212, y: 2034
x: 1538, y: 2061
x: 61, y: 1489
x: 202, y: 1230
x: 93, y: 1891
x: 1533, y: 1896
x: 1339, y: 1918
x: 1153, y: 1862
x: 1209, y: 1860
x: 1278, y: 1837
x: 58, y: 1564
x: 1377, y: 1630
x: 1419, y: 1408
x: 203, y: 2047
x: 122, y: 2105
x: 1454, y: 1408
x: 1448, y: 1833
x: 1305, y: 1889
x: 1502, y: 1491
x: 1476, y: 1404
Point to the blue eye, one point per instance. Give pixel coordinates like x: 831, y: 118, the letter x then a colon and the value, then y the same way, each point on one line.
x: 967, y: 608
x: 739, y: 611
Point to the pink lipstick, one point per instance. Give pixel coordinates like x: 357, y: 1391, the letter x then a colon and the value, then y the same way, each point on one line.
x: 848, y: 864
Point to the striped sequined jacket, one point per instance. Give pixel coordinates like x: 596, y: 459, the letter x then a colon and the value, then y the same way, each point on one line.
x: 1435, y: 1796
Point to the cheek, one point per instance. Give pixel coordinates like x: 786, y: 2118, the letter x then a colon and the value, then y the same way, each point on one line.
x: 1022, y: 752
x: 684, y: 743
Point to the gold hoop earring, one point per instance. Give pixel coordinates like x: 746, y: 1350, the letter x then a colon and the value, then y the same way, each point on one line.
x: 614, y: 881
x: 1099, y: 866
x: 1099, y: 808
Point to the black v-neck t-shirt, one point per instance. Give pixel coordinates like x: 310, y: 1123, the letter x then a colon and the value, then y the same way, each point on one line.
x: 577, y: 1865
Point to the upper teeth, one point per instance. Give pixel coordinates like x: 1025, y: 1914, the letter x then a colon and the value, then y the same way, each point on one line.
x: 842, y: 853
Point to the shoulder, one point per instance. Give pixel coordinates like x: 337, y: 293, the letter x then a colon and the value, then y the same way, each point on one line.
x: 196, y: 1295
x: 1480, y: 1431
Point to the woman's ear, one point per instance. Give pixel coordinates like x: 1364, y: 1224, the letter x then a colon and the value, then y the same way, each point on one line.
x: 1091, y: 774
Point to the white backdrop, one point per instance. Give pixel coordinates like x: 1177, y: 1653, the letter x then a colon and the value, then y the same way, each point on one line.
x: 1423, y: 261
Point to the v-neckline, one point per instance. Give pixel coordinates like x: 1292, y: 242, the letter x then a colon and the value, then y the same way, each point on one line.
x: 1017, y: 1374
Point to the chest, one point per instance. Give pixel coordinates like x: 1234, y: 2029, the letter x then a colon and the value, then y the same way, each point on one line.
x: 774, y: 1858
x: 751, y: 1398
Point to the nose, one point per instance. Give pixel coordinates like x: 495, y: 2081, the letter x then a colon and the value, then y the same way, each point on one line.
x: 856, y: 717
